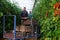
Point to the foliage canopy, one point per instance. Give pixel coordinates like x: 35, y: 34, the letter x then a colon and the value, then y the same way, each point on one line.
x: 44, y: 13
x: 7, y: 8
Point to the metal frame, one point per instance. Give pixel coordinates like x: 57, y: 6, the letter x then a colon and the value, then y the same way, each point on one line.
x: 14, y: 25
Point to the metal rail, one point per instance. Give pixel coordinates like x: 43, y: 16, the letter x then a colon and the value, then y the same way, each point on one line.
x: 14, y: 25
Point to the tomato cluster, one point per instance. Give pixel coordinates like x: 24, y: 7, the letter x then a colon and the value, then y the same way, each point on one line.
x: 57, y: 9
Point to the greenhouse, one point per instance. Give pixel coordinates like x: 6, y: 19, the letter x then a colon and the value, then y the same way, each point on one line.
x: 29, y: 19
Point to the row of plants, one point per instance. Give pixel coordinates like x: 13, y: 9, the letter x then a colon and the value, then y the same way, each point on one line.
x: 8, y: 8
x: 47, y: 12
